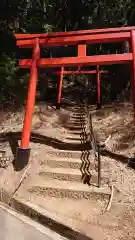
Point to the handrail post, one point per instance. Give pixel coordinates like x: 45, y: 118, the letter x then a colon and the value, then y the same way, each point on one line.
x: 99, y: 166
x: 98, y: 89
x: 133, y: 62
x: 60, y: 87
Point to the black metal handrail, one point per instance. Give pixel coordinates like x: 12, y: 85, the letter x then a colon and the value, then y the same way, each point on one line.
x: 92, y: 139
x: 94, y: 145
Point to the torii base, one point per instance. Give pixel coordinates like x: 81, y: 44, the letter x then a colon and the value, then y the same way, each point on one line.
x: 98, y: 105
x: 21, y: 159
x: 58, y: 105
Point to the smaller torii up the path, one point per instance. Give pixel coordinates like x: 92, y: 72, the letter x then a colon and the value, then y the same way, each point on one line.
x: 79, y: 72
x: 80, y: 39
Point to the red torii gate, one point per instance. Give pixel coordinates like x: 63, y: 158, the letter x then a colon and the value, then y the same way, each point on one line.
x: 80, y: 38
x: 63, y: 72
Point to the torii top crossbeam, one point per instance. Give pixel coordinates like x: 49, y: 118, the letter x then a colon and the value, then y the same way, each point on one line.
x: 80, y: 38
x: 73, y: 33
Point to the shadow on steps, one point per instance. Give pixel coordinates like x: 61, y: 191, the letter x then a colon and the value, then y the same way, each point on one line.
x: 13, y: 137
x: 39, y: 138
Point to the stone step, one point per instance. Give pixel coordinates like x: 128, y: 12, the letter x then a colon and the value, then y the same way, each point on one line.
x: 77, y: 109
x: 74, y: 126
x: 79, y: 114
x: 74, y: 163
x: 62, y: 162
x: 64, y: 154
x: 75, y: 135
x: 73, y: 123
x: 78, y: 119
x: 72, y: 136
x: 78, y: 141
x: 72, y: 140
x: 75, y: 118
x: 66, y: 189
x: 52, y: 213
x: 68, y: 174
x: 74, y: 132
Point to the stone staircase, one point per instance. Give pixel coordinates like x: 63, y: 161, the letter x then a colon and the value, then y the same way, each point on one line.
x: 55, y: 183
x: 59, y: 173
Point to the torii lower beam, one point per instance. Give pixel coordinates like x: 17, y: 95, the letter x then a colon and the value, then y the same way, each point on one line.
x: 78, y: 72
x: 76, y: 61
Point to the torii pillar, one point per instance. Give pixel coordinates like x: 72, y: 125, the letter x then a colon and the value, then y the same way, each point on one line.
x: 23, y: 152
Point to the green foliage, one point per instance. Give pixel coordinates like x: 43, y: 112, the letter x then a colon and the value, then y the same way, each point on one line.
x: 50, y: 16
x: 106, y: 90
